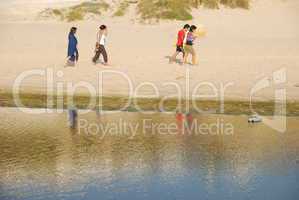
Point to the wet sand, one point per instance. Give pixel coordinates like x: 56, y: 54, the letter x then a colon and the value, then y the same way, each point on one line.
x: 241, y: 47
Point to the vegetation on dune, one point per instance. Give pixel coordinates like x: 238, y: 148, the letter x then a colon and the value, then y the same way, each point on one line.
x: 228, y: 3
x: 236, y: 3
x: 147, y: 9
x: 122, y: 9
x: 165, y: 9
x: 181, y: 9
x: 74, y: 15
x: 57, y: 12
x: 78, y: 12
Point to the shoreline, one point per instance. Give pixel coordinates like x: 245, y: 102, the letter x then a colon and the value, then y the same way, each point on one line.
x: 119, y: 103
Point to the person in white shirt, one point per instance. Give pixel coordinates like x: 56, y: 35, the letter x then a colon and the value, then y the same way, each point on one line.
x: 100, y: 45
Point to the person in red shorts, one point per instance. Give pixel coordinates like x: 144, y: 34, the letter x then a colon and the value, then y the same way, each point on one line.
x: 180, y: 42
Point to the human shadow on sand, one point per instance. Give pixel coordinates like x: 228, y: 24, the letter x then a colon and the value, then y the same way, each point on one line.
x: 177, y: 61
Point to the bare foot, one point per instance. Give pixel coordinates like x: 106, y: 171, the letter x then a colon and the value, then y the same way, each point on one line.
x: 106, y: 64
x: 170, y: 61
x: 69, y: 63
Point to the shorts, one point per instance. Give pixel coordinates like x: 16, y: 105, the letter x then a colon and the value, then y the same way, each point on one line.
x: 179, y: 49
x: 189, y: 49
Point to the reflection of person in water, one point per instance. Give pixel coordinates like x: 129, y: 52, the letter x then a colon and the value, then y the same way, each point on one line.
x: 189, y: 121
x: 184, y: 121
x: 180, y: 121
x: 73, y: 116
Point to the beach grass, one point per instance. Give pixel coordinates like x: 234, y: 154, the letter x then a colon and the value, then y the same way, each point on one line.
x: 147, y: 10
x: 122, y: 9
x: 110, y: 103
x: 165, y: 9
x: 74, y: 15
x: 181, y: 10
x: 57, y: 12
x: 78, y: 12
x: 236, y: 3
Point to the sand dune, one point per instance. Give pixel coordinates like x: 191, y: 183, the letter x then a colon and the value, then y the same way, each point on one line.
x: 241, y: 47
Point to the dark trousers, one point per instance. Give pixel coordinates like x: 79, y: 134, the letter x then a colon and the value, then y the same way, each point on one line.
x: 100, y: 50
x: 72, y: 58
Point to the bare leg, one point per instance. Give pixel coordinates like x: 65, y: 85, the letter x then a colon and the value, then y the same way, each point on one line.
x: 186, y: 57
x: 194, y: 58
x: 173, y: 57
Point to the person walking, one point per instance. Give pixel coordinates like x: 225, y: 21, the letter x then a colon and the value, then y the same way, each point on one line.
x: 189, y: 49
x: 100, y: 45
x: 180, y: 43
x: 73, y: 53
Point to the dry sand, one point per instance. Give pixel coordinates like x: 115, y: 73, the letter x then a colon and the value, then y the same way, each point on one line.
x: 241, y: 47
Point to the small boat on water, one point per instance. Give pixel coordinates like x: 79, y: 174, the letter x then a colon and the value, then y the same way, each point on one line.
x: 255, y: 119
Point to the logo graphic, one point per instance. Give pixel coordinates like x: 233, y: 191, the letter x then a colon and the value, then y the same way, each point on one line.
x: 277, y: 80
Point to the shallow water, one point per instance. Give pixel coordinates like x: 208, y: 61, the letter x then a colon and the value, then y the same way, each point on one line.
x: 41, y: 158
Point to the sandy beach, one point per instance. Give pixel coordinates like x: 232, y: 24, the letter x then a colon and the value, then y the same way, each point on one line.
x: 241, y: 48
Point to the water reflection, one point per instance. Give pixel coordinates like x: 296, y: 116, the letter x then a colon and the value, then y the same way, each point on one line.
x: 73, y: 118
x: 41, y: 158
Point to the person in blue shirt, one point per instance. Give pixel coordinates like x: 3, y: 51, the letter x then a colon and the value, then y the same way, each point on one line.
x: 72, y: 53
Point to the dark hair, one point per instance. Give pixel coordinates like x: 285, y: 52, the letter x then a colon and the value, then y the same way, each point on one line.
x: 186, y: 26
x: 192, y: 28
x: 73, y: 30
x: 103, y: 27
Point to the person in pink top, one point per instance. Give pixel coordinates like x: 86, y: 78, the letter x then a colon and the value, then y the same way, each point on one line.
x: 189, y: 46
